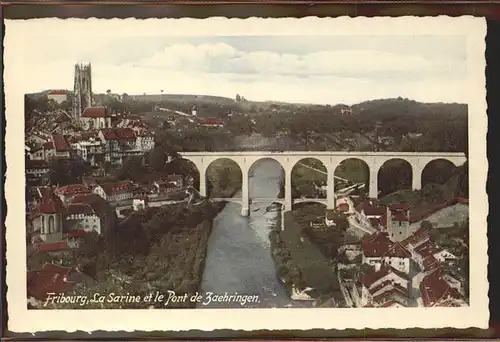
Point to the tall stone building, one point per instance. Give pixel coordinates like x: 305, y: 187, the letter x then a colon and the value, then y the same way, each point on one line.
x: 82, y: 95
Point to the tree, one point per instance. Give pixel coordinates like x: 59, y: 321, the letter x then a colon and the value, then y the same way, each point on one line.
x: 157, y: 159
x: 426, y: 225
x: 132, y: 169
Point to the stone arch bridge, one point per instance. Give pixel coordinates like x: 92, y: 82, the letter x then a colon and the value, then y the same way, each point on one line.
x: 288, y: 159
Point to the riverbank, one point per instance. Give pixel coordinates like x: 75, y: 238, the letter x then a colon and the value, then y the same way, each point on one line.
x: 300, y: 265
x: 159, y: 250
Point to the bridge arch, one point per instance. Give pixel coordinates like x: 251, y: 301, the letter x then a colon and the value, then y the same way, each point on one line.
x: 271, y: 167
x: 437, y: 171
x: 352, y: 171
x: 309, y: 177
x: 186, y: 167
x: 223, y: 177
x: 311, y: 205
x: 395, y: 174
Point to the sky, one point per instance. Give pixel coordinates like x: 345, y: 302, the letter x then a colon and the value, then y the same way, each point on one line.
x: 323, y: 69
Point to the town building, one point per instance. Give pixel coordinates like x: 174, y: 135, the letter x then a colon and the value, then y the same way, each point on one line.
x: 37, y: 172
x: 54, y: 279
x: 140, y: 202
x: 119, y: 144
x: 95, y: 118
x: 371, y: 214
x: 68, y: 192
x: 89, y: 213
x: 47, y: 218
x: 145, y: 141
x: 89, y: 147
x: 62, y: 148
x: 386, y: 287
x: 439, y: 288
x: 398, y: 221
x: 379, y: 250
x: 58, y: 95
x: 114, y: 192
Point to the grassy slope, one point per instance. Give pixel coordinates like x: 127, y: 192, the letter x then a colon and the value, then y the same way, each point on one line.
x: 314, y: 266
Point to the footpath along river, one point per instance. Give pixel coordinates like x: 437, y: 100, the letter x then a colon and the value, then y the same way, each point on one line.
x: 239, y: 257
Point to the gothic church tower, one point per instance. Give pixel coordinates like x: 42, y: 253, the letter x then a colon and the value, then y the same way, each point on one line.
x: 82, y: 94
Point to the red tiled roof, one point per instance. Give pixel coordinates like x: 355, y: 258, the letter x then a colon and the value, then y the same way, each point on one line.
x: 400, y: 216
x: 430, y: 263
x: 49, y: 145
x: 399, y: 206
x: 371, y: 208
x: 52, y: 246
x: 210, y: 121
x: 420, y: 234
x: 58, y: 92
x: 111, y: 189
x: 36, y: 164
x: 79, y: 209
x: 427, y: 249
x: 60, y: 143
x: 398, y: 251
x: 77, y: 233
x: 50, y: 279
x: 380, y: 286
x: 95, y: 112
x: 98, y: 204
x: 389, y: 295
x: 125, y: 133
x: 50, y: 203
x: 375, y: 245
x: 371, y: 278
x: 72, y: 189
x: 434, y: 289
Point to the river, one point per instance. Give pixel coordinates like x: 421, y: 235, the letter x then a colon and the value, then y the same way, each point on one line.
x: 239, y: 258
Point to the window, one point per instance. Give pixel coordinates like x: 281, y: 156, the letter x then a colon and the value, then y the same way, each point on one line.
x: 42, y: 230
x: 52, y: 224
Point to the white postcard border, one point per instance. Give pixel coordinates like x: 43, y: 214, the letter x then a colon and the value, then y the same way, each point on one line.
x: 23, y: 320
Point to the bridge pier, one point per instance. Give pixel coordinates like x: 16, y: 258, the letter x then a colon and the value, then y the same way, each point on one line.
x: 373, y: 186
x: 203, y: 181
x: 330, y: 190
x: 245, y: 202
x: 416, y: 177
x: 288, y: 190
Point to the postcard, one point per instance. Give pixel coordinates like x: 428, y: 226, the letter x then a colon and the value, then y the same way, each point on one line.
x: 246, y: 174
